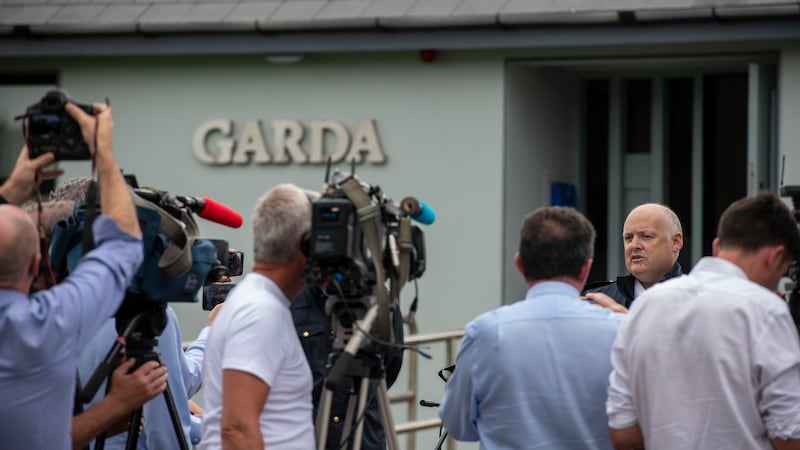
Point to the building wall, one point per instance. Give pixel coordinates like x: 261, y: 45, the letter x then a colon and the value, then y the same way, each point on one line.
x: 542, y: 108
x: 789, y: 114
x: 440, y: 126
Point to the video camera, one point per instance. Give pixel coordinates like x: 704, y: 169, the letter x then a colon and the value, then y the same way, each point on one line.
x: 50, y: 128
x: 337, y: 247
x: 793, y: 287
x: 177, y: 262
x: 360, y: 239
x: 229, y: 264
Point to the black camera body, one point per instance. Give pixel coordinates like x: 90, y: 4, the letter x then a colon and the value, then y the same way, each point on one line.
x: 229, y: 263
x: 337, y: 249
x: 51, y: 129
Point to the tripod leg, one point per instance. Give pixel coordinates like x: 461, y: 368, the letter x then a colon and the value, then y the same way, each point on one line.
x: 441, y: 440
x: 386, y: 415
x: 348, y: 419
x: 323, y: 411
x: 363, y: 395
x: 133, y: 431
x: 176, y: 421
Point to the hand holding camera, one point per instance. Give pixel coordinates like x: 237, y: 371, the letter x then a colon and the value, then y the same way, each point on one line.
x: 68, y: 129
x: 27, y: 173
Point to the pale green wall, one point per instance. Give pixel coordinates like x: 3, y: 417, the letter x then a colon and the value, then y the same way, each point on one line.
x: 440, y: 124
x: 789, y: 113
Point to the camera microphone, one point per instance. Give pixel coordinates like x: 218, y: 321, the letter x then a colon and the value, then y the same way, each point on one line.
x: 418, y: 210
x: 212, y: 210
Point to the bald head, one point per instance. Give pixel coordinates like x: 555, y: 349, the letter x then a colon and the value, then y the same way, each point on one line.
x: 653, y: 239
x: 19, y: 248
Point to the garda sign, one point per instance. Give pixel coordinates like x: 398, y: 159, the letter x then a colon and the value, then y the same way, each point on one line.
x: 215, y: 142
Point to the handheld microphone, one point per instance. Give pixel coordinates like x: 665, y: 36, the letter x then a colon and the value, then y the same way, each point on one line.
x: 212, y: 210
x: 418, y: 210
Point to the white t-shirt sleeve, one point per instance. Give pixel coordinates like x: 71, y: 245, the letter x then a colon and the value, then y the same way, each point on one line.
x: 257, y: 327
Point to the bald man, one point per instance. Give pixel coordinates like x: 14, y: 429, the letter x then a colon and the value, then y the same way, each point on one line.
x: 652, y: 238
x: 43, y: 332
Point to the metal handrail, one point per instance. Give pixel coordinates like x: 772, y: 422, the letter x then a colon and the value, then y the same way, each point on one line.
x: 410, y: 396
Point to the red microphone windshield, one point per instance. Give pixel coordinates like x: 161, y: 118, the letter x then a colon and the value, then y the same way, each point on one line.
x: 219, y: 213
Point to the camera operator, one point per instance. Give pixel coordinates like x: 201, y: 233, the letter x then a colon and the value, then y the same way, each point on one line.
x: 185, y: 367
x: 315, y: 332
x: 128, y: 390
x: 43, y: 332
x: 257, y: 389
x: 22, y: 182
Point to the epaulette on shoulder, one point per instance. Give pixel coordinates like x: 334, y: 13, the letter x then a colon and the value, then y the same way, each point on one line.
x: 596, y: 284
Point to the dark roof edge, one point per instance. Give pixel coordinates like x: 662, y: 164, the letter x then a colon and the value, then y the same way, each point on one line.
x: 20, y: 42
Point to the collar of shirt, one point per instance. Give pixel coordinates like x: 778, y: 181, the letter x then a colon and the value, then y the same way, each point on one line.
x: 720, y: 266
x: 549, y: 288
x: 269, y: 286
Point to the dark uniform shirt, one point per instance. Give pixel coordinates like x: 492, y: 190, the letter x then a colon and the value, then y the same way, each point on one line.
x: 315, y: 330
x: 622, y: 289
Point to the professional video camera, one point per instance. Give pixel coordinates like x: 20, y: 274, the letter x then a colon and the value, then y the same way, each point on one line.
x: 360, y: 240
x: 793, y: 287
x: 51, y: 129
x: 177, y: 263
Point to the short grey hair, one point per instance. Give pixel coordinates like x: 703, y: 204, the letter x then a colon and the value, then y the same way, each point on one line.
x: 672, y: 220
x: 53, y: 212
x: 74, y: 189
x: 281, y: 217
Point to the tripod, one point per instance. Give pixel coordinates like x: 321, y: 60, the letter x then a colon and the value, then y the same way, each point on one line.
x: 139, y: 322
x: 354, y: 362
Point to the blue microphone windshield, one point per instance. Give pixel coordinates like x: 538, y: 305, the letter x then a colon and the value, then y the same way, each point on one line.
x: 426, y: 216
x: 418, y: 210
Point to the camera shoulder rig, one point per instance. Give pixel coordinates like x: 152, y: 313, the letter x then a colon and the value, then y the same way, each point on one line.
x: 369, y: 215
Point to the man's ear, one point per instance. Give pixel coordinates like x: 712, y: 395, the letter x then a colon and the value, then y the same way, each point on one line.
x: 715, y: 247
x: 677, y: 242
x: 776, y: 257
x: 585, y: 269
x: 33, y: 270
x: 518, y: 264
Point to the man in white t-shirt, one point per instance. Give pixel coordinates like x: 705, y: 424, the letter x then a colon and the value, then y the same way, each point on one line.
x: 257, y: 382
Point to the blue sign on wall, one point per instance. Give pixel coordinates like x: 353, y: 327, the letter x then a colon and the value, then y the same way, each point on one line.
x: 562, y: 194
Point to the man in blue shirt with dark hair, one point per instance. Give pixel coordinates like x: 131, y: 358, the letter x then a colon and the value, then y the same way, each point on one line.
x: 534, y: 374
x: 43, y: 332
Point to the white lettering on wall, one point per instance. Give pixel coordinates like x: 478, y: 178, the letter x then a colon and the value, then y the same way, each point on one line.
x: 215, y: 142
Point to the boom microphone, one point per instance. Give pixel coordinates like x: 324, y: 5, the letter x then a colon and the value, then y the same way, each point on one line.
x: 418, y: 210
x: 212, y: 210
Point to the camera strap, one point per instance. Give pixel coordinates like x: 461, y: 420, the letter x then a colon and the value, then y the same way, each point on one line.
x: 181, y: 234
x: 369, y: 215
x: 405, y: 247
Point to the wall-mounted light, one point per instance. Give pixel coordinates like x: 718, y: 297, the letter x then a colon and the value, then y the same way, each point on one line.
x: 293, y: 58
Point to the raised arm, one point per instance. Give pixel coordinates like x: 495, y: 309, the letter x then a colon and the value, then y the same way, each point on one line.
x: 27, y: 173
x: 115, y: 197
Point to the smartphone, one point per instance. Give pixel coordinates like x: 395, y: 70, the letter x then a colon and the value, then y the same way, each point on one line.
x: 215, y: 293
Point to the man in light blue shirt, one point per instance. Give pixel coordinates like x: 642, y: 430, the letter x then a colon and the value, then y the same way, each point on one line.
x: 534, y: 374
x: 43, y: 332
x: 185, y: 369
